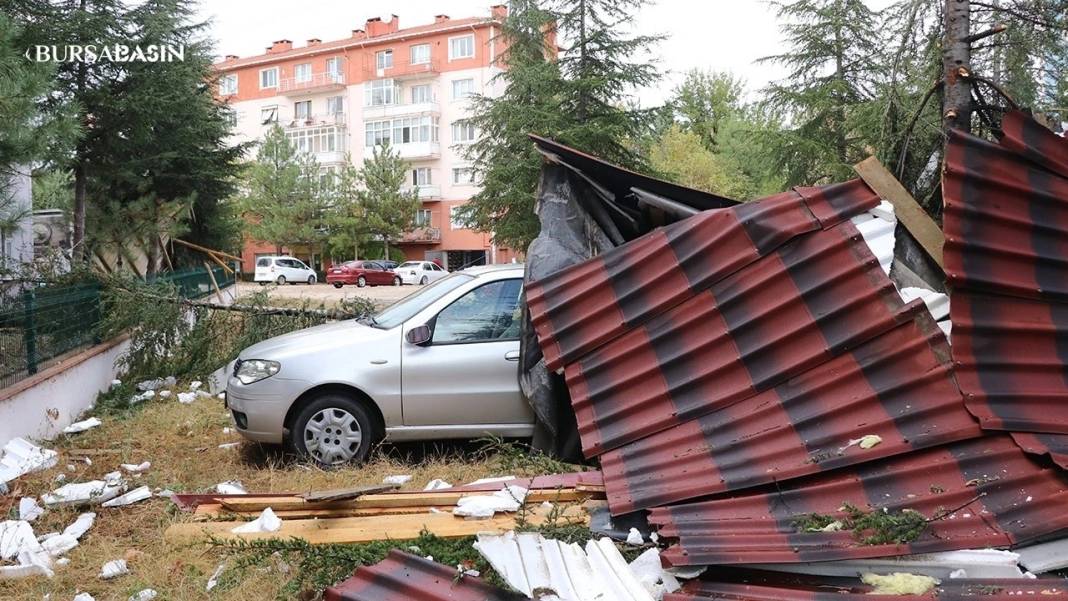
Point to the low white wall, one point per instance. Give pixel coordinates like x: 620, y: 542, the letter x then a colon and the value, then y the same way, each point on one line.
x: 41, y: 411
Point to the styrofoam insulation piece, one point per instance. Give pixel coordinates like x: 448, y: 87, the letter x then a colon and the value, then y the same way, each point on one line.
x: 397, y: 480
x: 877, y: 227
x: 648, y: 570
x: 134, y: 496
x: 82, y: 493
x: 144, y: 595
x: 1045, y: 557
x: 83, y: 597
x: 113, y: 569
x: 436, y: 484
x: 29, y: 509
x: 82, y: 426
x: 214, y: 579
x: 634, y: 538
x: 138, y: 468
x: 21, y: 456
x: 25, y: 570
x: 502, y: 552
x: 16, y: 536
x: 492, y: 480
x: 80, y: 526
x: 230, y: 487
x: 976, y: 563
x: 610, y: 568
x: 507, y: 499
x: 937, y: 303
x: 186, y: 398
x: 267, y: 522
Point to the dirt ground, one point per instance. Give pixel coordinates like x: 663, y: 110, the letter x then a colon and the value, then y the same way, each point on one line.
x: 381, y: 295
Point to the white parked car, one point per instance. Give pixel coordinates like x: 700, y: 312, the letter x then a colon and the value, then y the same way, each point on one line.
x: 419, y: 272
x: 283, y: 270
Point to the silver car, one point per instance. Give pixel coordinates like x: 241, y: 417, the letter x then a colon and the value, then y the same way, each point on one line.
x: 440, y: 363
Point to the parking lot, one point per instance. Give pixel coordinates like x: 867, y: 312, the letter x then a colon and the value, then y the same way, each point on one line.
x: 327, y: 294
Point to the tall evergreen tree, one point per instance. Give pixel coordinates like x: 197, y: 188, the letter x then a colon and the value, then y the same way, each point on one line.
x: 704, y: 102
x: 389, y: 209
x: 347, y: 220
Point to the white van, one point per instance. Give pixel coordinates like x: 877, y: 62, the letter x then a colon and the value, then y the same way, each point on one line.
x: 282, y: 270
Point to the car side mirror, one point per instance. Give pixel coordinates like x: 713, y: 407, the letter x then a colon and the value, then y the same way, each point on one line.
x: 419, y: 335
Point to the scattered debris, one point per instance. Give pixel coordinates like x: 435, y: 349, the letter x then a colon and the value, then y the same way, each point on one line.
x: 113, y: 569
x: 136, y: 495
x: 214, y: 579
x: 230, y: 487
x: 436, y: 484
x: 15, y: 537
x: 186, y: 397
x: 343, y: 494
x: 157, y: 383
x: 507, y: 499
x: 83, y: 597
x: 82, y: 426
x: 29, y: 510
x: 144, y: 396
x: 405, y: 576
x: 165, y: 394
x: 115, y: 383
x: 82, y: 493
x: 195, y: 385
x: 20, y: 457
x: 493, y: 480
x: 267, y: 522
x: 229, y: 445
x: 144, y: 595
x: 634, y: 538
x: 136, y: 468
x: 899, y: 583
x: 397, y: 480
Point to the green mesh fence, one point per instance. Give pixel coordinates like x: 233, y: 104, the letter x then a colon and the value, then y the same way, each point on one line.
x: 39, y: 324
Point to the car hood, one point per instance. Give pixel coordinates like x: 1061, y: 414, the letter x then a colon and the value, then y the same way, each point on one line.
x: 327, y: 337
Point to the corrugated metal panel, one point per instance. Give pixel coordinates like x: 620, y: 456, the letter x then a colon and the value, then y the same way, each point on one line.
x: 580, y: 308
x: 1006, y: 252
x: 404, y: 577
x: 752, y: 585
x: 1054, y: 445
x: 898, y: 386
x: 985, y: 492
x: 806, y: 302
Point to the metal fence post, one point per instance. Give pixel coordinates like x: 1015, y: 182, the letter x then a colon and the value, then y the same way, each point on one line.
x: 29, y: 327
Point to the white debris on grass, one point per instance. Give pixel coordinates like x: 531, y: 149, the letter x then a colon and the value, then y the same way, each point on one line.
x: 144, y: 396
x: 267, y: 522
x: 229, y: 445
x: 214, y: 580
x: 136, y: 495
x: 166, y: 493
x: 83, y: 493
x: 80, y: 526
x: 21, y: 457
x: 113, y: 569
x: 195, y: 385
x: 157, y: 383
x: 231, y: 487
x: 228, y: 430
x: 634, y: 538
x: 82, y: 426
x: 492, y: 480
x: 508, y: 498
x: 899, y: 583
x: 144, y: 595
x: 649, y: 572
x: 436, y: 484
x: 397, y: 480
x: 115, y: 383
x: 83, y: 597
x: 186, y: 397
x: 29, y: 510
x: 165, y: 394
x: 16, y: 536
x: 136, y: 468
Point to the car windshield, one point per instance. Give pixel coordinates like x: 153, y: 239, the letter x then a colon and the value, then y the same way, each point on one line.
x: 410, y: 264
x: 399, y: 312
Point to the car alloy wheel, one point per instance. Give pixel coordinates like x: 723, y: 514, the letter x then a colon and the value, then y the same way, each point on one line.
x: 361, y: 281
x: 424, y: 280
x: 332, y: 436
x: 396, y: 281
x: 311, y: 280
x: 281, y: 280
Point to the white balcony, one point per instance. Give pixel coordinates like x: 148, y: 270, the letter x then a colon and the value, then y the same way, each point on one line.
x: 427, y: 192
x: 319, y: 82
x: 337, y: 119
x: 386, y: 111
x: 330, y: 157
x: 419, y: 150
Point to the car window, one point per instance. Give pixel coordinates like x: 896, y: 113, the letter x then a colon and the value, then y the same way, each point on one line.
x: 435, y: 267
x: 264, y: 262
x: 301, y: 265
x: 399, y: 312
x: 484, y: 314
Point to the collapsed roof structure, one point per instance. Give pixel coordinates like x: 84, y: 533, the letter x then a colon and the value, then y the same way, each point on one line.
x: 743, y: 369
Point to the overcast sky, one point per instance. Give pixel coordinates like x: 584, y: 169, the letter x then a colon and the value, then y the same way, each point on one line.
x: 724, y: 35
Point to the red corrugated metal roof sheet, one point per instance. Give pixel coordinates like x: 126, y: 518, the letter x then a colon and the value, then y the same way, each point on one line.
x: 1054, y: 445
x: 986, y: 491
x: 584, y: 306
x: 799, y: 306
x: 753, y: 585
x: 1006, y: 253
x: 898, y: 386
x: 405, y: 577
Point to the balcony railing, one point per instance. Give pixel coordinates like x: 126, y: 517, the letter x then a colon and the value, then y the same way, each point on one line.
x: 384, y: 111
x: 423, y: 235
x: 419, y: 150
x: 318, y: 82
x: 401, y: 69
x: 337, y: 119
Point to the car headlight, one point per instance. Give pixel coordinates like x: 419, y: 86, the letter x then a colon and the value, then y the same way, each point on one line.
x: 254, y: 370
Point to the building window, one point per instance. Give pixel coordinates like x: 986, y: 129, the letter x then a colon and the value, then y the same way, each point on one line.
x: 228, y: 85
x: 462, y: 176
x: 302, y: 73
x: 454, y: 218
x: 384, y: 59
x: 463, y: 133
x: 335, y: 105
x: 269, y: 114
x: 377, y: 133
x: 420, y: 54
x: 462, y: 47
x: 422, y: 93
x: 269, y: 78
x: 462, y: 88
x: 415, y: 129
x: 421, y: 176
x: 302, y: 110
x: 333, y: 66
x: 380, y: 92
x: 230, y: 117
x: 422, y: 218
x: 316, y: 139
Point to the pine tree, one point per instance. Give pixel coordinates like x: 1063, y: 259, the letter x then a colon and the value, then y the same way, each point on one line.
x: 347, y: 220
x: 388, y: 209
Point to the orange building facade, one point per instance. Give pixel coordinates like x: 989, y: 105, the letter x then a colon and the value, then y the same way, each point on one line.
x: 410, y: 87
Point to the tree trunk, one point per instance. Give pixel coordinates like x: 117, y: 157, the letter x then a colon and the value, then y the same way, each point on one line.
x: 78, y: 241
x: 355, y: 249
x: 956, y: 54
x: 385, y: 244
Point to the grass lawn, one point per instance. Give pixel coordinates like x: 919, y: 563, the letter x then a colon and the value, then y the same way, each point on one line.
x: 182, y: 442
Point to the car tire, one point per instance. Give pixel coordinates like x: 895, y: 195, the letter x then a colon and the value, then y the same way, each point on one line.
x: 263, y: 283
x: 311, y: 280
x: 338, y: 284
x: 396, y: 280
x: 340, y: 419
x: 424, y: 280
x: 281, y: 281
x: 361, y: 282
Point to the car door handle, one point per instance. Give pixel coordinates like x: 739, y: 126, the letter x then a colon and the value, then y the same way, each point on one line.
x: 511, y: 356
x: 379, y: 361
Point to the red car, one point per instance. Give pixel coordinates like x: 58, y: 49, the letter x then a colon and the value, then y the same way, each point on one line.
x: 362, y: 273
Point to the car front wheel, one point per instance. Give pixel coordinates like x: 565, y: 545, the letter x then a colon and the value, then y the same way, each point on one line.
x: 424, y: 280
x: 361, y: 282
x: 281, y: 280
x: 311, y: 280
x: 337, y: 284
x: 332, y: 430
x: 396, y: 281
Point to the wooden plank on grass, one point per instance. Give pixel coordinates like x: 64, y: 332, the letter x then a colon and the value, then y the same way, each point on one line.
x: 210, y: 511
x: 341, y: 494
x: 428, y: 499
x: 367, y: 529
x: 908, y: 211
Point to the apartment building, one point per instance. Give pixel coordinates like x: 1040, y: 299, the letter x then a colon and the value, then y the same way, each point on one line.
x: 409, y: 87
